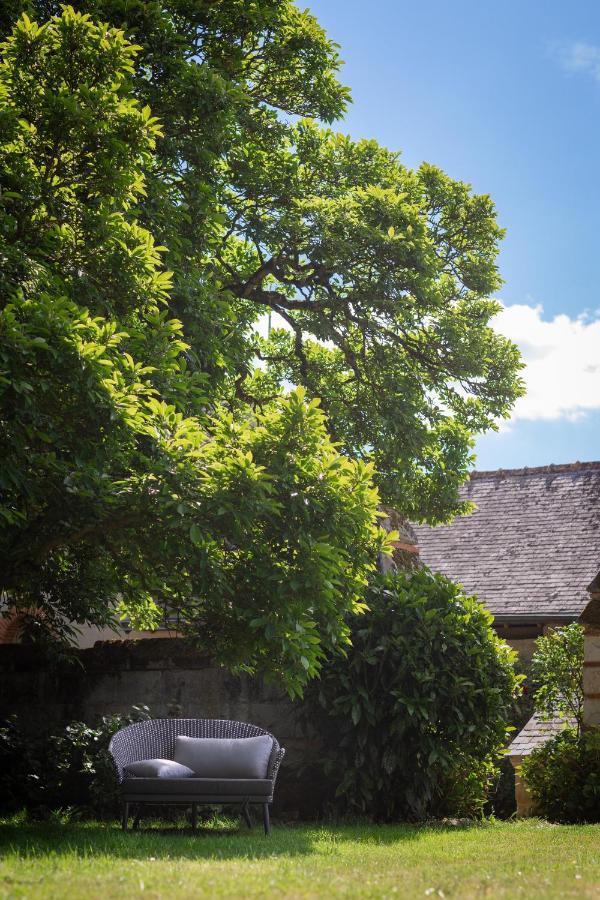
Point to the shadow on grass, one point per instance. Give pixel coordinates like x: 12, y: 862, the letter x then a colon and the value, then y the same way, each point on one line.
x: 158, y: 840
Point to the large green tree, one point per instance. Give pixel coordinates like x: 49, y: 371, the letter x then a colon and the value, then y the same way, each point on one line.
x: 138, y: 407
x: 251, y: 529
x: 380, y: 276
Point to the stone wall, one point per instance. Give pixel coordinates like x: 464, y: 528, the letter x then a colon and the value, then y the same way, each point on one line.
x: 591, y: 677
x: 171, y: 679
x: 591, y: 665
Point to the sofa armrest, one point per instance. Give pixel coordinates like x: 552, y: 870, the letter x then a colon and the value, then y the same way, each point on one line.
x: 274, y: 763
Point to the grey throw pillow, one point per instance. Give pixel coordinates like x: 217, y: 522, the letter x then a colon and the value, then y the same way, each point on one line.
x: 157, y: 768
x: 225, y: 757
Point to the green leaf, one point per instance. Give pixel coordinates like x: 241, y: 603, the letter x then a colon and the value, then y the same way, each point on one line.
x: 196, y: 535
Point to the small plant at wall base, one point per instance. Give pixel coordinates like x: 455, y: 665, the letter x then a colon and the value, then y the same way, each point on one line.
x: 417, y: 711
x: 557, y: 674
x: 67, y: 767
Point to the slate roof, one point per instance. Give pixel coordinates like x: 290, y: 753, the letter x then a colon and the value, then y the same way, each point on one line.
x: 532, y: 546
x: 536, y: 733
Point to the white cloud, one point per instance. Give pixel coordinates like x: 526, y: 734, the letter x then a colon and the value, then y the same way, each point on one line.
x: 579, y: 56
x: 562, y: 359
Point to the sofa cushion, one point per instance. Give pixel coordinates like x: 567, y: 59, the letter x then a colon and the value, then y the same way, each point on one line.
x: 198, y: 787
x: 157, y: 768
x: 225, y: 757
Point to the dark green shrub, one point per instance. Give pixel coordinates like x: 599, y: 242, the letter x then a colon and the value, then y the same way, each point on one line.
x: 65, y: 767
x: 417, y: 712
x: 564, y: 776
x: 22, y: 759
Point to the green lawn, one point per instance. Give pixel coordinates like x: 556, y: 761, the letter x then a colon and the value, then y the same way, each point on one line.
x: 523, y: 859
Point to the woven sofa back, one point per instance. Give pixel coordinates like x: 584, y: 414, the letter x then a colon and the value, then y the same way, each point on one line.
x: 155, y: 738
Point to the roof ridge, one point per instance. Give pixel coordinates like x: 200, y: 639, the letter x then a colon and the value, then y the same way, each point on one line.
x: 551, y: 469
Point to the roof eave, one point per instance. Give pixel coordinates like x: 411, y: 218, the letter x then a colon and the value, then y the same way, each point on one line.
x: 533, y: 618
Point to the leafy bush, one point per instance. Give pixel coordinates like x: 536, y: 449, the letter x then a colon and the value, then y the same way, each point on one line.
x: 68, y: 767
x: 418, y: 708
x: 564, y: 776
x: 557, y: 672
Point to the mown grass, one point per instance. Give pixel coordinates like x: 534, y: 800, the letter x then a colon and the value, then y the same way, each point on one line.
x: 493, y: 859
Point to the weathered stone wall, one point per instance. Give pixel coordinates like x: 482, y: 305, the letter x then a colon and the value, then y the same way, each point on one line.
x: 171, y: 679
x: 524, y: 801
x: 590, y: 618
x: 525, y: 648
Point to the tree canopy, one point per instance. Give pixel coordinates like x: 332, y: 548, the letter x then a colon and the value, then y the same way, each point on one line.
x: 381, y: 276
x: 167, y: 181
x: 252, y: 531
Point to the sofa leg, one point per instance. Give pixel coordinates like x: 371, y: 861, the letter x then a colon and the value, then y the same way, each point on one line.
x: 124, y: 815
x: 266, y: 819
x: 194, y: 815
x: 246, y: 814
x: 137, y: 817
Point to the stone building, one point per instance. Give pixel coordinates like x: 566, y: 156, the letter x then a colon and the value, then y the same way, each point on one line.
x: 529, y: 550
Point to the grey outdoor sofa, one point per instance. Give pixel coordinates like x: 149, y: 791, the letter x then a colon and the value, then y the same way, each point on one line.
x: 155, y: 738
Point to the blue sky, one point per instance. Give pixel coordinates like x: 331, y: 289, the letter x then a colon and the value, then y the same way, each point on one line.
x: 505, y: 96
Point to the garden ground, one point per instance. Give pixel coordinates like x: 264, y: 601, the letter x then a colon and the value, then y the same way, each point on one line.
x: 495, y: 859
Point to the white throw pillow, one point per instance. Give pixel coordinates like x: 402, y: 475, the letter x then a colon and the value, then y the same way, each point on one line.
x: 157, y: 768
x: 225, y: 757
